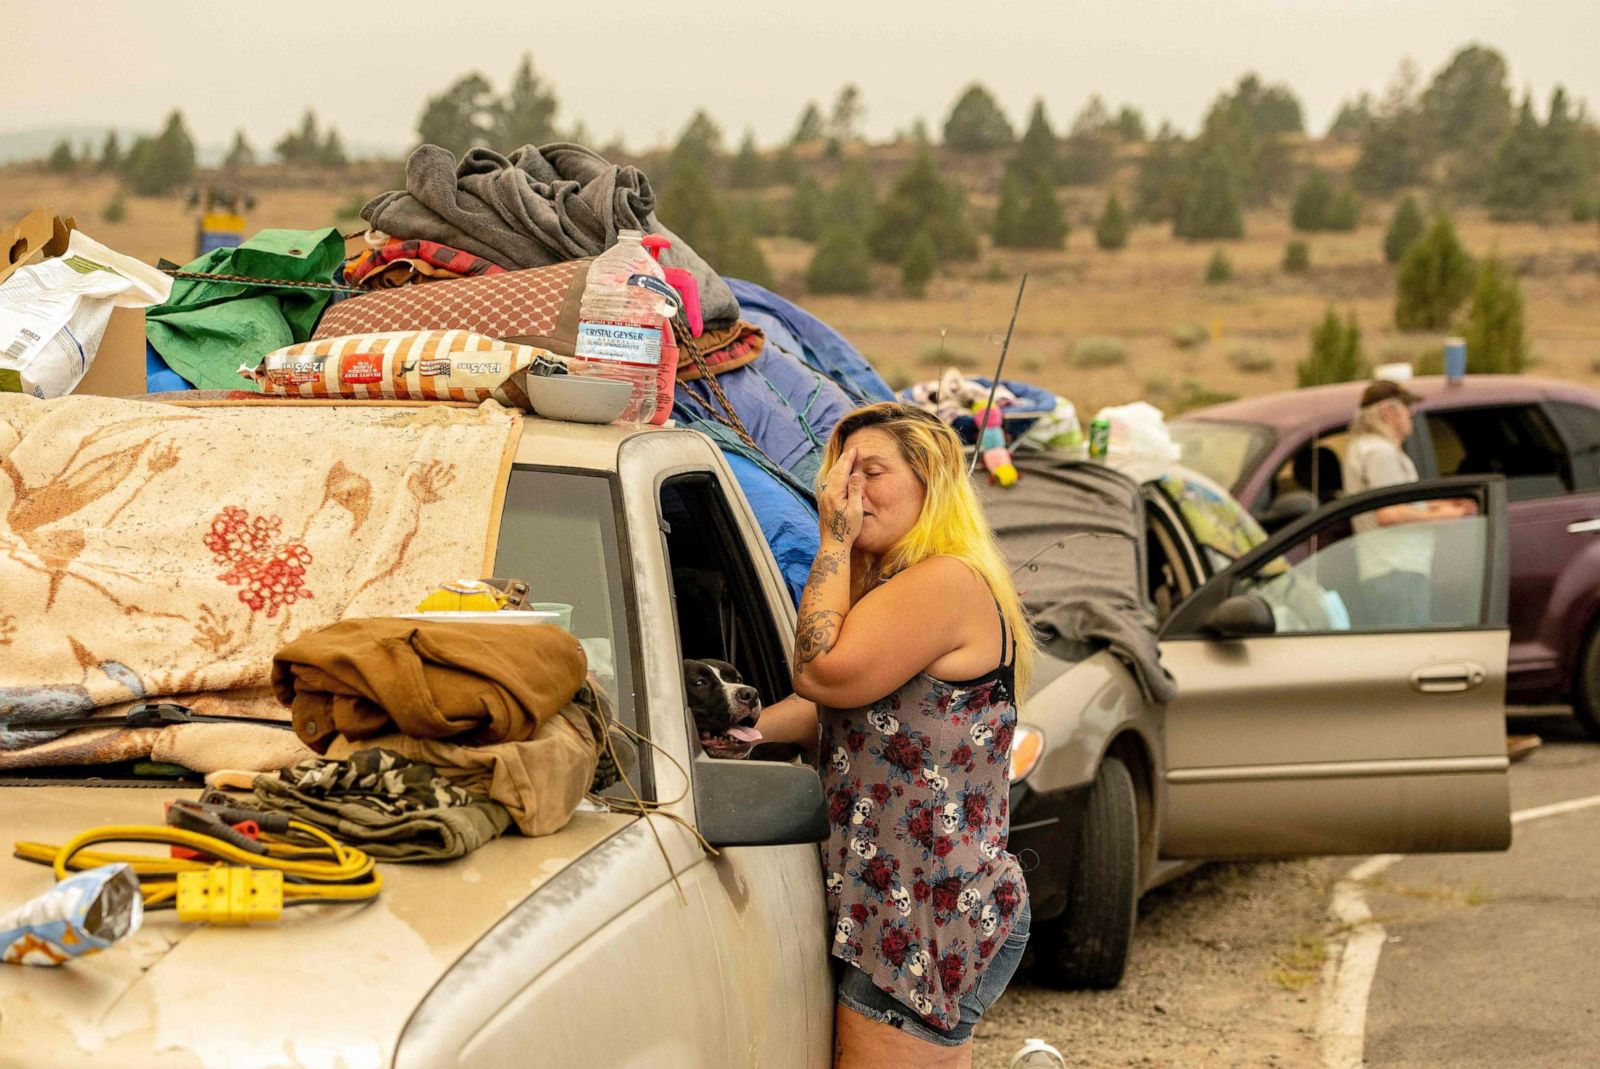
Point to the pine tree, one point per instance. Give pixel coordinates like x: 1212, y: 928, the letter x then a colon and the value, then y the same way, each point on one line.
x: 1517, y: 185
x: 976, y: 123
x: 918, y: 265
x: 1344, y: 214
x: 527, y: 115
x: 1353, y: 120
x: 61, y: 159
x: 1313, y: 201
x: 241, y: 154
x: 1008, y: 216
x: 1038, y: 154
x: 1043, y: 224
x: 1090, y: 151
x: 841, y: 263
x: 1467, y: 106
x: 1130, y: 124
x: 689, y: 207
x: 844, y: 125
x: 1404, y: 229
x: 747, y: 170
x: 331, y: 154
x: 699, y: 145
x: 158, y: 165
x: 811, y: 128
x: 1496, y: 337
x: 808, y: 210
x: 1211, y: 206
x: 1162, y: 179
x: 1394, y: 148
x: 854, y: 198
x: 463, y: 117
x: 1111, y: 229
x: 111, y: 153
x: 1335, y: 353
x: 920, y: 198
x: 1435, y: 277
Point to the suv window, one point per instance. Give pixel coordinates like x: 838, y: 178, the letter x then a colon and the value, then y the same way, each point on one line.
x: 1316, y: 467
x: 1517, y: 441
x: 1580, y: 424
x: 721, y: 611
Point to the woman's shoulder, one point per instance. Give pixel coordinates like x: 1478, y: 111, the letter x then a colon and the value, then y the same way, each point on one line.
x: 947, y: 572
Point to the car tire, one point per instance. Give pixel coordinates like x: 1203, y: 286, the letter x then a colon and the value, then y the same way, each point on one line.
x: 1088, y: 945
x: 1586, y: 685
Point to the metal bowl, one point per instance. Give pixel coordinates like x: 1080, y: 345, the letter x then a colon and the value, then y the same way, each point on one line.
x: 578, y: 398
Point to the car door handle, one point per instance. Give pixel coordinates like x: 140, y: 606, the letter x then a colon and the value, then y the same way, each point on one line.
x: 1448, y: 678
x: 1584, y: 527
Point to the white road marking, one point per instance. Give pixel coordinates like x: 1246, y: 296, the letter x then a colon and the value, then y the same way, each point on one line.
x: 1347, y: 975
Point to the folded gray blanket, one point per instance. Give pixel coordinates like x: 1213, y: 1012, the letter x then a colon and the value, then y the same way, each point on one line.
x: 536, y: 207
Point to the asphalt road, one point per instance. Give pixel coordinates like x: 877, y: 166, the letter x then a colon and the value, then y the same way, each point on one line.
x: 1494, y: 960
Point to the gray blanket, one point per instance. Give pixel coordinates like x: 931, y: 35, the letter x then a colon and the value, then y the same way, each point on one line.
x: 1073, y: 532
x: 536, y: 207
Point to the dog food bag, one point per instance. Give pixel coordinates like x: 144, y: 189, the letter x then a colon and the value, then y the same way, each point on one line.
x: 410, y: 365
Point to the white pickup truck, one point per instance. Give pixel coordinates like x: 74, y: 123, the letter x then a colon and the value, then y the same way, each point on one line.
x: 619, y: 941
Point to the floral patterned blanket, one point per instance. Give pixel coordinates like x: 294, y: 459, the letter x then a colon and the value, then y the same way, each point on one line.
x: 168, y: 550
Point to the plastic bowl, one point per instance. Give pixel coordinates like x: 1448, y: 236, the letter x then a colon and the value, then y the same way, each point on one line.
x: 578, y: 398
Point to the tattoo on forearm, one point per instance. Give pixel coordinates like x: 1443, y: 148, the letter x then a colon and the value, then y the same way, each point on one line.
x: 825, y: 566
x: 838, y: 526
x: 816, y: 636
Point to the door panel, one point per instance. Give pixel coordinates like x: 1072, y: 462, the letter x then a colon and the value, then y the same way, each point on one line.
x: 1350, y: 729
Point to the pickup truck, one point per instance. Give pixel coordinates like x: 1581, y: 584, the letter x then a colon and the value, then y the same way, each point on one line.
x: 620, y: 940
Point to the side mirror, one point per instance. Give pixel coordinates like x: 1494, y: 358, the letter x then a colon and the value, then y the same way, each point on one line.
x: 1241, y: 616
x: 1286, y: 508
x: 758, y: 803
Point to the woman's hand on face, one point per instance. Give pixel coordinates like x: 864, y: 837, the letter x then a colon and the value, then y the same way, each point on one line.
x: 839, y: 505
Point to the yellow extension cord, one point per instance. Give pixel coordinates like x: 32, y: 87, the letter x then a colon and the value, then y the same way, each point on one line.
x: 329, y: 872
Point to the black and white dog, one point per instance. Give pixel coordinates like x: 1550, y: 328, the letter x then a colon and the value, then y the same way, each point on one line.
x: 725, y: 708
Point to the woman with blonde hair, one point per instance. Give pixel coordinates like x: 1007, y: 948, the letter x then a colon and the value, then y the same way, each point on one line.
x: 911, y: 651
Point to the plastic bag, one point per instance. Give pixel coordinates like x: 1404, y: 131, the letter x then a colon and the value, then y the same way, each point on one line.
x: 53, y: 314
x: 1139, y: 431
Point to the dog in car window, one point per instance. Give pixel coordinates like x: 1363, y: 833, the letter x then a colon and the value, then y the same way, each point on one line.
x: 725, y: 708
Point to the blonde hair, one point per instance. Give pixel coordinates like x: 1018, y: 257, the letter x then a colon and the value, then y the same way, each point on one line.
x: 1369, y: 419
x: 951, y: 524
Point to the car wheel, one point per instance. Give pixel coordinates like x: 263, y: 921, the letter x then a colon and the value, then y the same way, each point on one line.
x: 1586, y: 687
x: 1088, y: 945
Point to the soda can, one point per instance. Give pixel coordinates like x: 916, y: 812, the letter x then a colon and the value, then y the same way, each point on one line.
x: 1099, y: 437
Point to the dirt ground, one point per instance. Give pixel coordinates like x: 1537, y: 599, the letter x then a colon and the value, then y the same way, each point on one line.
x: 1224, y: 974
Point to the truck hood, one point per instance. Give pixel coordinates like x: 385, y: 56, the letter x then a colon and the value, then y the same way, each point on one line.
x: 324, y: 987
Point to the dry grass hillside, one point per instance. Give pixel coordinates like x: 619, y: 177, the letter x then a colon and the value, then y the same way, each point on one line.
x: 1257, y: 325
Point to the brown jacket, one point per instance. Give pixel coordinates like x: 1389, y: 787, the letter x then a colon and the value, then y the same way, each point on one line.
x: 474, y: 684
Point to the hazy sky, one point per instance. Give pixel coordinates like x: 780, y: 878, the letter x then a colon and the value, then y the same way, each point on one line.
x: 641, y: 69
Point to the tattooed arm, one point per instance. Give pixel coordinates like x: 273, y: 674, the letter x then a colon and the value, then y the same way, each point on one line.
x: 826, y: 598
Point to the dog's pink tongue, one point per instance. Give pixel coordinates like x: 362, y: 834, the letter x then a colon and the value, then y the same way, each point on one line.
x: 744, y: 734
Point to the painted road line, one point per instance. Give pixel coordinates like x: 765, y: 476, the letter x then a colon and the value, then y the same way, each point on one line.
x: 1348, y: 973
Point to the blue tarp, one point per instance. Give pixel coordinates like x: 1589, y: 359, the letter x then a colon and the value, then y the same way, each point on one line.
x: 813, y: 341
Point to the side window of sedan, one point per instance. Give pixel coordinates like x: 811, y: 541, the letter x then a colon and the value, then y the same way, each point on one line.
x: 1580, y: 425
x: 1517, y: 441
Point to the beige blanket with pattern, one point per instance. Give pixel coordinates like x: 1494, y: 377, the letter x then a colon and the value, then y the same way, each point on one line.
x: 168, y: 550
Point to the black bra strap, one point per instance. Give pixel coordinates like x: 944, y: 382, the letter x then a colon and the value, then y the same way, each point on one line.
x: 1006, y: 649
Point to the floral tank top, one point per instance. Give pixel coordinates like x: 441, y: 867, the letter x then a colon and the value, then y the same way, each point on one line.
x: 920, y: 887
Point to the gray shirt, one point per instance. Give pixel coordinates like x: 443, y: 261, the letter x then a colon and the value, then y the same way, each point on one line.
x: 1372, y: 461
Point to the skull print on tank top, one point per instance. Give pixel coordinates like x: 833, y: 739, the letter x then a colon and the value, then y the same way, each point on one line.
x: 921, y: 889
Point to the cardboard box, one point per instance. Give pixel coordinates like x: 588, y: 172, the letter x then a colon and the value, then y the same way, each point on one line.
x: 118, y: 366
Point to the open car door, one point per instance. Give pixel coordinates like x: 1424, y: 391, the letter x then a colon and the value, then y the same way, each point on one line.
x: 1341, y: 688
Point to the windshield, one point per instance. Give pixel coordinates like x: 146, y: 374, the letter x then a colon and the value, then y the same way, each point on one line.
x: 1223, y: 452
x: 559, y: 534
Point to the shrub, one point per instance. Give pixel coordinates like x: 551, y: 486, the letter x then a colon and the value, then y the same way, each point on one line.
x: 1584, y: 207
x: 841, y: 263
x: 351, y: 209
x: 996, y: 272
x: 939, y: 357
x: 1030, y: 363
x: 1345, y: 212
x: 1296, y: 257
x: 1429, y: 361
x: 1220, y: 269
x: 1098, y: 352
x: 1335, y: 352
x: 1313, y: 199
x: 918, y: 265
x: 899, y: 377
x: 116, y: 210
x: 1190, y: 335
x: 1404, y: 229
x: 1435, y: 277
x: 1210, y: 208
x: 1496, y: 336
x: 1111, y: 230
x: 1252, y: 360
x: 1197, y: 395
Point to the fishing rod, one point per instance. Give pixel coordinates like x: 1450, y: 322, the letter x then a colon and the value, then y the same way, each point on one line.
x: 994, y: 383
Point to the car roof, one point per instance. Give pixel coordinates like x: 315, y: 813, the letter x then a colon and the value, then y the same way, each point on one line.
x: 1318, y: 406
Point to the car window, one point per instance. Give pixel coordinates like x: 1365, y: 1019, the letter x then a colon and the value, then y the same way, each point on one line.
x: 1316, y: 467
x: 721, y: 610
x: 1580, y: 425
x: 1361, y: 575
x: 1517, y: 441
x: 559, y: 534
x: 1218, y: 523
x: 1167, y: 577
x: 1222, y: 452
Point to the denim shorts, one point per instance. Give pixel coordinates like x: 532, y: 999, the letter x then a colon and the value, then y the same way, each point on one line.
x: 859, y: 993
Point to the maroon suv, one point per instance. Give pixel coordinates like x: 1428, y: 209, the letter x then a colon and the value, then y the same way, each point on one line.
x: 1279, y: 452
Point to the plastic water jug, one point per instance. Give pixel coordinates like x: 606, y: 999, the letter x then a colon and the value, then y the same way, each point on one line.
x: 622, y: 323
